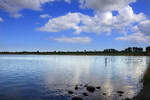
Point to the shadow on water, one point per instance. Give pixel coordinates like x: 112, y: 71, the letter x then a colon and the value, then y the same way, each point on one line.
x: 144, y: 94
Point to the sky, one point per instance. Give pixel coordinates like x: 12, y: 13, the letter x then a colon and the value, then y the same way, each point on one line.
x: 70, y: 25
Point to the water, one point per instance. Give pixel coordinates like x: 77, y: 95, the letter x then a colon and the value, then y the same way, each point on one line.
x: 44, y: 77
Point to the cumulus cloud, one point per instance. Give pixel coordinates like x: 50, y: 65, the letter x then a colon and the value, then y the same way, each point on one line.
x: 99, y: 23
x: 103, y: 20
x: 141, y: 33
x: 125, y: 22
x: 14, y: 6
x: 69, y: 21
x: 1, y: 20
x: 45, y: 16
x: 105, y: 5
x: 144, y: 27
x: 136, y: 37
x: 64, y: 39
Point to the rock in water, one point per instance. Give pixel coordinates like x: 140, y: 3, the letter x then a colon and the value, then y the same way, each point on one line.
x: 120, y: 95
x: 77, y: 98
x: 104, y: 93
x: 86, y: 85
x: 80, y: 84
x: 90, y: 88
x: 120, y: 92
x: 98, y: 87
x: 85, y: 94
x: 76, y: 87
x: 70, y: 92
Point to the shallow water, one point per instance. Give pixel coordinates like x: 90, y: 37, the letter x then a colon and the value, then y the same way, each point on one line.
x: 43, y: 77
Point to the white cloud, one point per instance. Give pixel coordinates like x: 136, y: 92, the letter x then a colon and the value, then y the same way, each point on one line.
x: 68, y: 1
x: 144, y: 27
x: 45, y: 16
x: 14, y: 6
x: 126, y: 15
x: 16, y: 15
x: 103, y: 20
x: 69, y: 21
x: 1, y: 20
x: 99, y: 23
x: 72, y: 21
x: 142, y: 33
x: 136, y: 37
x: 73, y: 39
x: 123, y: 22
x: 105, y: 5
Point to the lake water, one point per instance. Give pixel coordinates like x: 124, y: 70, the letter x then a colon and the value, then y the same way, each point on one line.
x: 45, y: 77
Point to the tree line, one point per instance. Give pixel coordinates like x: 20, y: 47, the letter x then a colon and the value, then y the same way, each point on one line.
x: 128, y: 51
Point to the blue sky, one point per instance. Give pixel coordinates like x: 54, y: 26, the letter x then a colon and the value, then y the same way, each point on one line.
x: 48, y: 25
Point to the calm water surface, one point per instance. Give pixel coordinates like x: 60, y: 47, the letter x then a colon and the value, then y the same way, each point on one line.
x: 43, y: 77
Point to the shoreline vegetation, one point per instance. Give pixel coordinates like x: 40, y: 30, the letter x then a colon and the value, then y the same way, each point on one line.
x: 76, y: 53
x: 130, y: 51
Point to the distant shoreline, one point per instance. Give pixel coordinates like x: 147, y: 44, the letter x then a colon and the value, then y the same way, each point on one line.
x: 77, y: 53
x: 130, y: 51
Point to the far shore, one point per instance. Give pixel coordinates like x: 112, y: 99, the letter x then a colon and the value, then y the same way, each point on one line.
x: 130, y: 51
x: 76, y: 53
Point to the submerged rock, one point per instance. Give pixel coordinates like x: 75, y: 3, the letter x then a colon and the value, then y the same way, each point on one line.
x: 120, y: 92
x: 127, y: 99
x: 120, y: 95
x: 85, y: 94
x: 98, y: 87
x: 77, y: 98
x: 76, y: 87
x: 86, y: 85
x: 90, y: 88
x: 104, y: 93
x: 70, y: 92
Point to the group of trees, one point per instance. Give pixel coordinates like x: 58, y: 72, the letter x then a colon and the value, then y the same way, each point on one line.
x: 128, y: 50
x: 148, y: 50
x: 110, y: 50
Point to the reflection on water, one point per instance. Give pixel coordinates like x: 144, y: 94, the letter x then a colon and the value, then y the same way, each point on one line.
x: 30, y: 77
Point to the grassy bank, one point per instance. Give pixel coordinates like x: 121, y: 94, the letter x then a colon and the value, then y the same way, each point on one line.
x: 145, y: 92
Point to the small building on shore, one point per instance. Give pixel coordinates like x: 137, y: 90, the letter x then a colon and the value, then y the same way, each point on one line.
x: 134, y: 50
x: 148, y: 50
